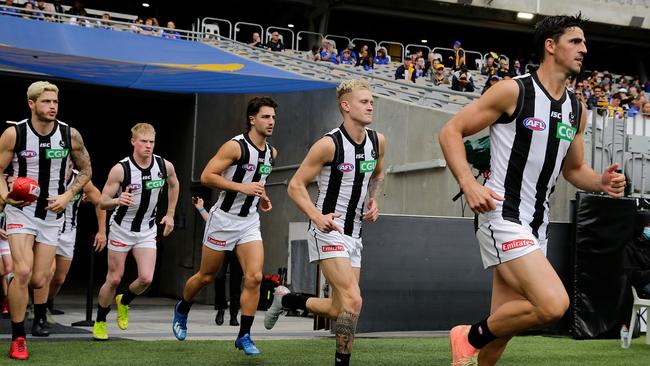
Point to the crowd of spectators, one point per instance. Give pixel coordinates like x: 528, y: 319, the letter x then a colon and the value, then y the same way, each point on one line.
x: 274, y: 44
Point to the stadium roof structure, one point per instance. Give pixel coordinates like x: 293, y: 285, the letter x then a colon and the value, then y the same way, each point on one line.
x: 129, y: 60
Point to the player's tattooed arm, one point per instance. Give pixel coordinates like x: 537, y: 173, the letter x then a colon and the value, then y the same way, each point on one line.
x: 346, y: 325
x: 81, y: 160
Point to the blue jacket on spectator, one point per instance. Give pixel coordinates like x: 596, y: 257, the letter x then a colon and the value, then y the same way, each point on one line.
x: 171, y: 35
x: 381, y: 60
x: 332, y: 58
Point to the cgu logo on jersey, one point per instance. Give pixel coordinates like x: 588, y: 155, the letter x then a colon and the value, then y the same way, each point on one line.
x: 153, y: 184
x: 565, y: 132
x: 367, y: 166
x: 345, y: 167
x: 264, y: 169
x: 56, y: 153
x: 76, y: 197
x: 248, y: 167
x: 534, y: 124
x: 28, y: 154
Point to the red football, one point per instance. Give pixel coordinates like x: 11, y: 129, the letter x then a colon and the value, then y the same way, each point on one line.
x: 25, y: 189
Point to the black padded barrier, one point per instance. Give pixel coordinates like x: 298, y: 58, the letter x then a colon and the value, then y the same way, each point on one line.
x: 601, y: 299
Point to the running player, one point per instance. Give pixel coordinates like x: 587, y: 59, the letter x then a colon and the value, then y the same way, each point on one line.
x: 239, y: 169
x: 6, y: 265
x: 39, y: 147
x: 68, y: 238
x: 348, y: 162
x: 139, y: 179
x: 536, y: 132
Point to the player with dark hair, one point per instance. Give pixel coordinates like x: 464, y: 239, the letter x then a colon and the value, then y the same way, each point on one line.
x: 536, y: 132
x: 240, y: 169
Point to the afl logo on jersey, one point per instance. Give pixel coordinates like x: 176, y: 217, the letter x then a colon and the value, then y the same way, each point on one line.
x: 248, y: 167
x: 134, y: 186
x: 534, y: 124
x: 28, y: 153
x: 345, y: 167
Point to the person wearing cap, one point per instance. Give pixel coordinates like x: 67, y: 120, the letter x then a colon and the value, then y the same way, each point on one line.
x: 353, y: 54
x: 459, y: 56
x: 346, y: 57
x: 438, y: 76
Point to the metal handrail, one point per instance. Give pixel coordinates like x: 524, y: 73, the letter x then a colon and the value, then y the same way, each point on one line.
x: 293, y: 36
x: 298, y: 38
x: 397, y: 44
x: 417, y: 46
x: 333, y: 36
x: 249, y: 24
x: 230, y: 27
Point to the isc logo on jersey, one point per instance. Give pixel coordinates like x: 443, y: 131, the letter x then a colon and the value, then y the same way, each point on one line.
x: 565, y: 132
x: 153, y: 184
x: 56, y: 153
x: 534, y: 124
x: 345, y: 167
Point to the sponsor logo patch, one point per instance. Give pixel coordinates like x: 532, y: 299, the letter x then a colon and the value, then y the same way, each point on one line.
x: 28, y: 154
x: 15, y: 226
x: 565, y: 132
x: 34, y: 190
x: 367, y: 166
x: 264, y: 169
x: 248, y: 167
x: 118, y: 243
x: 153, y: 184
x: 517, y: 243
x: 134, y: 186
x: 534, y: 124
x: 221, y: 243
x: 56, y: 153
x: 333, y: 248
x: 345, y: 167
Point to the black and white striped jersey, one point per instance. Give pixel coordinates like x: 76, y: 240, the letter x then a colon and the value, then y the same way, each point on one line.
x: 44, y: 159
x: 528, y: 151
x: 146, y: 185
x: 343, y: 184
x: 254, y: 165
x: 70, y: 222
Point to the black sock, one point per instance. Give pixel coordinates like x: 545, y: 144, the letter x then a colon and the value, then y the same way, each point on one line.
x: 17, y: 330
x: 245, y: 326
x: 184, y: 306
x: 480, y: 335
x: 39, y: 312
x: 342, y: 359
x: 127, y: 297
x: 50, y: 304
x: 102, y: 312
x: 295, y: 301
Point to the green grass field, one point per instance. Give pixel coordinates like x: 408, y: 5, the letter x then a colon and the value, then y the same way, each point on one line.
x: 528, y: 351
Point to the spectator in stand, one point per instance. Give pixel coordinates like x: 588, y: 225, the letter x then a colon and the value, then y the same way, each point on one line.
x: 403, y: 70
x: 491, y: 81
x: 607, y: 90
x: 29, y: 12
x: 275, y: 44
x: 418, y: 71
x: 11, y: 11
x: 636, y: 105
x: 171, y: 32
x: 47, y: 8
x: 614, y: 107
x: 438, y: 77
x: 148, y: 28
x: 330, y: 53
x: 58, y: 8
x: 314, y: 54
x: 458, y: 59
x: 646, y: 110
x: 382, y: 57
x: 353, y: 54
x: 103, y: 23
x: 428, y: 70
x: 462, y: 80
x: 78, y: 9
x: 633, y: 91
x: 346, y: 57
x: 488, y: 69
x: 516, y: 68
x: 646, y: 86
x: 256, y: 41
x: 366, y: 59
x: 503, y: 70
x: 136, y: 27
x: 606, y: 79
